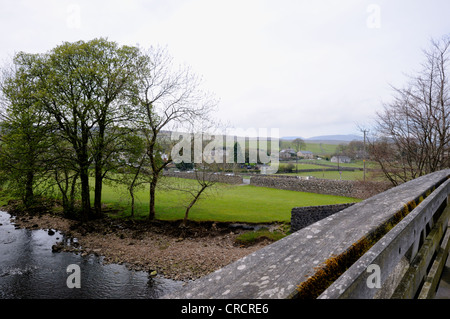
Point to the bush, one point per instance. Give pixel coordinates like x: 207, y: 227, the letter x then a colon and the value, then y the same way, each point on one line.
x: 288, y: 168
x: 184, y: 166
x: 253, y: 237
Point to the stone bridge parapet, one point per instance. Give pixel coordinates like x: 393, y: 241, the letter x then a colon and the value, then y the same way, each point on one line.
x: 390, y: 230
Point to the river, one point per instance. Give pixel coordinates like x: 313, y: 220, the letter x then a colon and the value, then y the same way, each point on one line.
x: 29, y: 269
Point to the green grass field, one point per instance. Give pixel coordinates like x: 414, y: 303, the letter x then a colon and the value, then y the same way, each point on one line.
x: 317, y: 148
x: 321, y: 148
x: 356, y: 164
x: 224, y: 203
x: 346, y: 175
x: 301, y: 166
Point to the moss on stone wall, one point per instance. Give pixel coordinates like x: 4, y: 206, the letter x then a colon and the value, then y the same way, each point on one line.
x: 335, y: 266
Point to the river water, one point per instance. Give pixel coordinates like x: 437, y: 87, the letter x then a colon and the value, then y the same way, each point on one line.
x: 29, y: 269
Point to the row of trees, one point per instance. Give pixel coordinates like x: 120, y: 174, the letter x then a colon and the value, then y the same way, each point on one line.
x: 92, y: 109
x: 355, y: 150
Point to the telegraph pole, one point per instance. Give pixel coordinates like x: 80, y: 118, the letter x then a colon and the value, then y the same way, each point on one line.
x: 364, y: 156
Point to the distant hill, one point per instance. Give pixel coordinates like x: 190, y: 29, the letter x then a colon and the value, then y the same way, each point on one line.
x: 344, y: 138
x: 290, y: 138
x: 327, y: 139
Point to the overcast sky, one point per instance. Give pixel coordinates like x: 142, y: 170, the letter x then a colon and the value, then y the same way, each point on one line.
x: 306, y: 68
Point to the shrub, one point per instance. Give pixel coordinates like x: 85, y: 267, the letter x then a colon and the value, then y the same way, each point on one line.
x: 253, y: 237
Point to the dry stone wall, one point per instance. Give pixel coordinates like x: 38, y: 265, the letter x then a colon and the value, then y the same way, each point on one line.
x: 304, y: 216
x: 355, y: 189
x: 220, y: 178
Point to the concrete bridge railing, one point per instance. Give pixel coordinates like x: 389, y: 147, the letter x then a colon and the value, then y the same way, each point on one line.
x: 409, y: 258
x: 392, y: 245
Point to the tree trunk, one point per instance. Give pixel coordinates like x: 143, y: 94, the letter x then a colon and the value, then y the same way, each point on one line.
x: 85, y: 196
x: 99, y: 168
x: 132, y: 201
x: 29, y: 195
x: 133, y: 184
x: 71, y: 204
x: 98, y: 191
x: 186, y: 214
x: 153, y: 183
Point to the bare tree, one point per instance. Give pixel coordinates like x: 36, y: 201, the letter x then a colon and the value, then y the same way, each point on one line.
x: 167, y: 98
x: 206, y: 179
x: 205, y: 175
x: 414, y: 132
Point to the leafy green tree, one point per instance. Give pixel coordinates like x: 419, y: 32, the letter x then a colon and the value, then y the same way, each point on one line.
x: 73, y: 112
x: 85, y: 84
x: 65, y: 174
x: 298, y: 144
x: 25, y: 131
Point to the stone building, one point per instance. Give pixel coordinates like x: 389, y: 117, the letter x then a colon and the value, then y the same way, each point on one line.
x: 341, y: 159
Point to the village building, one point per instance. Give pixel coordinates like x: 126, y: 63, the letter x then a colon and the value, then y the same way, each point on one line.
x: 287, y: 153
x: 305, y: 154
x: 341, y: 159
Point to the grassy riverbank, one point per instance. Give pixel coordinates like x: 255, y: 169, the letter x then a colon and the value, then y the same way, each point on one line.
x: 223, y: 203
x: 178, y: 252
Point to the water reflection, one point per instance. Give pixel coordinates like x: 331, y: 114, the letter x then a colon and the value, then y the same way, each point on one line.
x: 29, y: 269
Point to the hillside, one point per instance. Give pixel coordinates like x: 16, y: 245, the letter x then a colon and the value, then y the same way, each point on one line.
x: 327, y: 139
